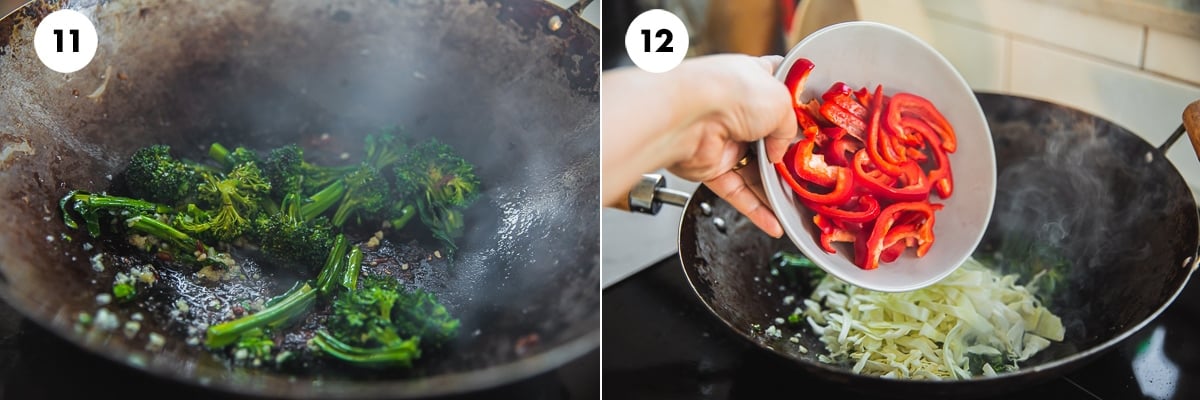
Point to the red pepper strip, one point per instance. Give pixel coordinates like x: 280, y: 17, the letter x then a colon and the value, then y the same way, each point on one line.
x: 803, y: 119
x: 835, y: 153
x: 908, y: 235
x: 914, y: 191
x: 823, y: 223
x: 864, y: 96
x: 828, y: 135
x: 895, y: 148
x: 865, y: 211
x: 841, y: 192
x: 835, y: 90
x: 844, y: 119
x: 912, y: 130
x: 874, y: 139
x: 826, y: 223
x: 891, y: 253
x: 834, y: 236
x: 915, y: 155
x: 814, y: 110
x: 796, y: 78
x: 941, y: 177
x: 874, y: 174
x: 810, y: 166
x: 887, y: 218
x: 910, y: 104
x: 842, y: 95
x: 945, y: 185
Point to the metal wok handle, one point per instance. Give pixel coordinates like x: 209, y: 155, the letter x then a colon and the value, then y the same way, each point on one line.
x: 649, y: 194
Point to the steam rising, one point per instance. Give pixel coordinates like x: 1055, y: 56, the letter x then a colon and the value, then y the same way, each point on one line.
x: 1097, y: 196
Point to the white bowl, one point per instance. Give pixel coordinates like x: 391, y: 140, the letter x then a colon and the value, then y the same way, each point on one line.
x: 866, y: 54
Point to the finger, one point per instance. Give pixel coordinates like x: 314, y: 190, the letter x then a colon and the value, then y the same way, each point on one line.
x: 784, y: 129
x: 733, y: 188
x: 771, y: 62
x: 777, y: 142
x: 782, y: 135
x: 753, y: 178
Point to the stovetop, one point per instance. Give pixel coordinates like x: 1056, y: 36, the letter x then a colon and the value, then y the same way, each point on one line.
x: 36, y: 364
x: 660, y: 342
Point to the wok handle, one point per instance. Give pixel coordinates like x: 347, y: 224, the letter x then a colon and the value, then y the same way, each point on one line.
x: 578, y: 7
x: 1191, y: 122
x: 649, y: 194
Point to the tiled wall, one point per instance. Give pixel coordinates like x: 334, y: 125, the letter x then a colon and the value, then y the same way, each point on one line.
x: 1134, y: 75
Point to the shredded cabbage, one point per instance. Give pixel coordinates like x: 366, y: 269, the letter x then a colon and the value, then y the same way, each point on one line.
x: 974, y: 322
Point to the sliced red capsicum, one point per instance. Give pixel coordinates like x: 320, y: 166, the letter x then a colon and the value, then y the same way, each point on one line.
x: 841, y: 192
x: 910, y: 235
x: 796, y: 78
x: 875, y: 244
x: 833, y: 232
x: 865, y: 209
x: 913, y: 191
x: 876, y: 142
x: 841, y: 94
x: 810, y: 166
x: 804, y: 119
x: 841, y: 151
x: 838, y: 116
x: 838, y: 235
x: 941, y: 177
x: 910, y: 104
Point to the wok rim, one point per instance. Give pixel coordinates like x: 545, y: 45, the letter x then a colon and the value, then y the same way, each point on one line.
x: 702, y: 193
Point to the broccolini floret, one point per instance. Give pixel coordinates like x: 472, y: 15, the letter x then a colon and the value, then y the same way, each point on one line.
x: 380, y: 324
x: 233, y: 199
x: 288, y: 172
x: 287, y: 236
x: 442, y: 184
x: 154, y: 175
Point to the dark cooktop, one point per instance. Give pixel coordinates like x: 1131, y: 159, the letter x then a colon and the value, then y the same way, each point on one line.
x: 36, y: 364
x: 660, y: 342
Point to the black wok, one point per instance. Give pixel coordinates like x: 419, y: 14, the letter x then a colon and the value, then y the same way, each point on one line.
x: 1106, y: 200
x: 511, y: 84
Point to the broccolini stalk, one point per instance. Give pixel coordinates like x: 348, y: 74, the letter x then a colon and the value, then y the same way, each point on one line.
x: 178, y: 240
x: 353, y: 268
x: 402, y: 353
x: 323, y: 200
x: 294, y: 303
x: 366, y: 193
x: 231, y: 159
x: 290, y: 305
x: 405, y: 214
x: 90, y: 207
x: 334, y: 266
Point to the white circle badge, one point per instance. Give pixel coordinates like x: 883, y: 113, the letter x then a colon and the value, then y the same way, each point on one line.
x: 657, y: 41
x: 65, y: 41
